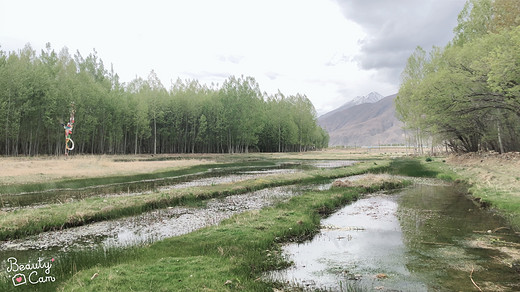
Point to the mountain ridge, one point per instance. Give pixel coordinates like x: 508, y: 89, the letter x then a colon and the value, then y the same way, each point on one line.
x: 369, y: 98
x: 364, y: 124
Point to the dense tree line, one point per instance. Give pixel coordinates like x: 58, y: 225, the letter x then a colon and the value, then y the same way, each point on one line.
x: 467, y: 95
x: 38, y: 91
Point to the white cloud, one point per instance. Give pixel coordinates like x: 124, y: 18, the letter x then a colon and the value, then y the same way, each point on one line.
x: 297, y: 46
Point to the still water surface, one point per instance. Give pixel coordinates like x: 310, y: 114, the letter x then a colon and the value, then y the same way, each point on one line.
x: 424, y: 238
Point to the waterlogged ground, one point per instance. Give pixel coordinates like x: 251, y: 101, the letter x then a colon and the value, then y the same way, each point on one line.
x: 211, y: 177
x: 214, y: 176
x: 159, y: 224
x: 425, y: 238
x: 151, y: 226
x: 429, y: 237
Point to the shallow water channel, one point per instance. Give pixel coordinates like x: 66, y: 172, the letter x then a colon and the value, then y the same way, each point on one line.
x: 148, y: 227
x: 213, y: 176
x: 424, y: 238
x: 94, y: 240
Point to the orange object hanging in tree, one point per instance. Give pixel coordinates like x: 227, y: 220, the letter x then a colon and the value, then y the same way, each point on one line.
x: 69, y: 144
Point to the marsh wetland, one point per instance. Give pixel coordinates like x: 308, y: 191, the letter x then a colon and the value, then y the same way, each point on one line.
x: 254, y: 225
x: 423, y: 238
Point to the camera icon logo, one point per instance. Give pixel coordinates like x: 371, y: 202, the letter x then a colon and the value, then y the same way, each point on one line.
x: 19, y: 279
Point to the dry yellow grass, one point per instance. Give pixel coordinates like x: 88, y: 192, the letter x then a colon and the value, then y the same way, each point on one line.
x: 499, y: 172
x: 495, y: 179
x: 346, y: 153
x: 15, y: 170
x: 22, y: 170
x: 367, y: 180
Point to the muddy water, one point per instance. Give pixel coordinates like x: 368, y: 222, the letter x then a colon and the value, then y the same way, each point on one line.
x: 426, y: 238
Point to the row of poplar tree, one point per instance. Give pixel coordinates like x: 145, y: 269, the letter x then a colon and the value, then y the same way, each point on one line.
x: 467, y: 94
x: 38, y: 92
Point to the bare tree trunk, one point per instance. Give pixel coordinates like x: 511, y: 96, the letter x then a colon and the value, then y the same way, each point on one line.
x: 500, y: 145
x: 154, y: 134
x: 135, y: 148
x: 432, y: 147
x: 279, y: 138
x: 7, y: 124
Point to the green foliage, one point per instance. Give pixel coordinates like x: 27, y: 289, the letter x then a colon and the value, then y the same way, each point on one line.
x: 229, y: 257
x: 74, y: 213
x: 142, y: 116
x: 467, y: 95
x: 411, y: 167
x: 474, y: 21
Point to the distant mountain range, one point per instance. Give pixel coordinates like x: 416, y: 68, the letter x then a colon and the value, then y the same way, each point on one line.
x: 365, y: 121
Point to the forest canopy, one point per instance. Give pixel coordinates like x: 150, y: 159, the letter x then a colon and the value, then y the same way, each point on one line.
x: 467, y: 94
x: 37, y: 92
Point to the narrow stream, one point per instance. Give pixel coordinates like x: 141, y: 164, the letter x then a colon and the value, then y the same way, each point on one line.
x: 103, y: 241
x: 159, y: 224
x: 148, y: 227
x: 93, y: 241
x: 425, y: 238
x: 429, y: 237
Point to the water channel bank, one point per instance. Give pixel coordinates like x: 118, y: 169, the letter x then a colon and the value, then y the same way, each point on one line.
x: 424, y: 238
x: 157, y: 224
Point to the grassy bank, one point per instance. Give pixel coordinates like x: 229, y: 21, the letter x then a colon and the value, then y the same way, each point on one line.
x: 29, y: 221
x: 494, y: 181
x: 420, y: 168
x: 229, y: 257
x: 44, y: 169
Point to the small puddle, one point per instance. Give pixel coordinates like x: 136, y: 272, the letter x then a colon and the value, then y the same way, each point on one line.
x: 425, y: 238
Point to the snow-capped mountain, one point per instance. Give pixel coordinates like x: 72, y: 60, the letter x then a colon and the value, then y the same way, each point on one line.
x: 364, y: 121
x: 372, y: 97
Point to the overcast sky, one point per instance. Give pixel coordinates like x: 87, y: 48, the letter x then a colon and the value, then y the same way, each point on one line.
x: 331, y: 51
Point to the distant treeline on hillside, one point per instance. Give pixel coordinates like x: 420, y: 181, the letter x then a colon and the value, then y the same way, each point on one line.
x: 38, y: 91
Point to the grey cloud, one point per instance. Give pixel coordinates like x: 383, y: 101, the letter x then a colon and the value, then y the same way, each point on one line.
x: 396, y: 27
